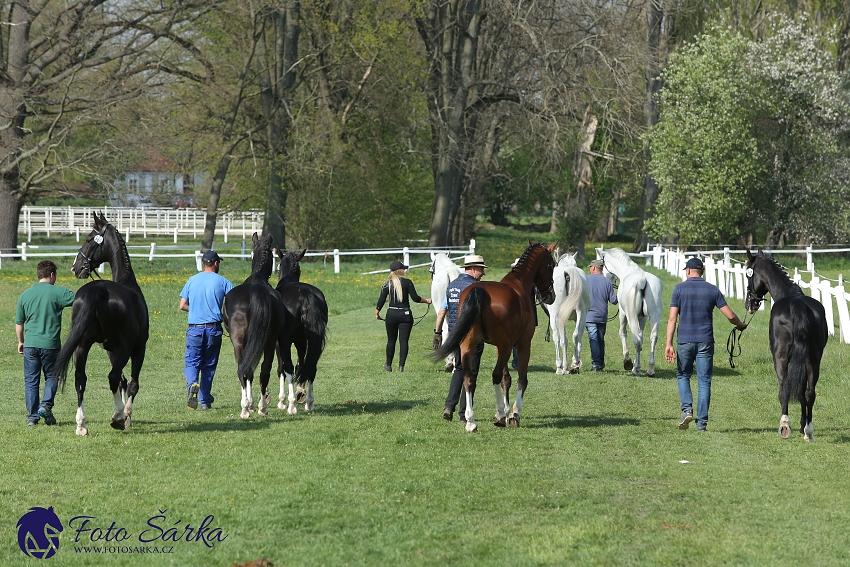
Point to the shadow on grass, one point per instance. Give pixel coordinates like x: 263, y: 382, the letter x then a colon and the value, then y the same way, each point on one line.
x: 581, y: 421
x: 354, y: 407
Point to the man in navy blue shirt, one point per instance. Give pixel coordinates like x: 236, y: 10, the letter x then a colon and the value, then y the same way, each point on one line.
x: 473, y: 267
x: 692, y: 304
x: 601, y: 294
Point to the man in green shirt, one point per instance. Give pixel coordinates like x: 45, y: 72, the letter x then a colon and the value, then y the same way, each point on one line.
x: 39, y: 317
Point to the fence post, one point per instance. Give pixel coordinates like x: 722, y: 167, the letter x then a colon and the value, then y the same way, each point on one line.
x: 78, y: 234
x: 843, y: 313
x: 472, y: 246
x: 127, y: 239
x: 198, y: 260
x: 175, y: 234
x: 24, y: 251
x: 242, y: 253
x: 336, y: 260
x: 810, y: 265
x: 153, y: 251
x: 405, y: 254
x: 225, y: 234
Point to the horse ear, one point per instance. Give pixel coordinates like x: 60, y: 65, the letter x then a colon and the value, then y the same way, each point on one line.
x: 749, y: 255
x: 575, y: 254
x: 552, y: 246
x: 298, y: 259
x: 530, y: 243
x: 254, y: 238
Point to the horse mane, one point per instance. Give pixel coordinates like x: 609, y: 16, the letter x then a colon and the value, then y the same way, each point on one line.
x: 261, y: 258
x: 525, y: 255
x: 620, y: 256
x: 782, y: 269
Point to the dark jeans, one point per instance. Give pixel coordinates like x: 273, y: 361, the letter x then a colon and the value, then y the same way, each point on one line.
x: 700, y: 355
x: 398, y: 326
x: 456, y: 392
x: 203, y: 345
x: 596, y: 340
x: 37, y: 360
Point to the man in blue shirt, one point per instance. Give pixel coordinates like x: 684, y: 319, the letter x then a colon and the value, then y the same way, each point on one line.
x: 202, y: 297
x: 473, y: 267
x: 692, y: 304
x: 601, y: 294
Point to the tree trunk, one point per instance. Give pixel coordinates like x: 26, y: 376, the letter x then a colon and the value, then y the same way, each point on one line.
x: 654, y: 18
x: 578, y: 209
x: 10, y: 211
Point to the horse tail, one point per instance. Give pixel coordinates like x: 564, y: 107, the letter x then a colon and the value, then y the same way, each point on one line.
x: 84, y: 318
x: 568, y: 306
x: 469, y: 313
x: 639, y: 305
x: 259, y: 321
x: 314, y: 319
x: 799, y: 351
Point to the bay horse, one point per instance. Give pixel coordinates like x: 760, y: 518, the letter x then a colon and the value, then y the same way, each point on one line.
x: 113, y: 313
x: 253, y: 316
x: 798, y: 335
x: 639, y: 298
x: 443, y: 272
x: 306, y: 313
x: 501, y: 314
x: 572, y: 302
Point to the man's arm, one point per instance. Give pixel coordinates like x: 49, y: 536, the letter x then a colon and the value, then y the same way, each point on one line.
x: 669, y: 351
x: 19, y: 331
x: 727, y: 311
x: 184, y: 304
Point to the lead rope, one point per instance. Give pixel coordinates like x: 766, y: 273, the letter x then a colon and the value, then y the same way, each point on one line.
x: 733, y: 343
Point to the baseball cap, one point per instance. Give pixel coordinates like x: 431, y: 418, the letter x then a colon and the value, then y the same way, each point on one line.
x: 597, y: 264
x: 396, y: 265
x: 210, y: 257
x: 694, y: 264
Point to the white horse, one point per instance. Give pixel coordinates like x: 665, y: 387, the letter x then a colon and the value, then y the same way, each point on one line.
x: 639, y: 296
x: 443, y: 272
x: 572, y: 302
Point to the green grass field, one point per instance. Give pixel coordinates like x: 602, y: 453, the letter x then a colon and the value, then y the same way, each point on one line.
x: 595, y: 475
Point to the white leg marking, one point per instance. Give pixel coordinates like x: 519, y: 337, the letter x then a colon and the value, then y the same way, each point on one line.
x: 471, y: 426
x: 809, y: 432
x: 263, y: 404
x: 308, y: 403
x: 247, y: 401
x: 292, y: 409
x: 81, y: 421
x: 784, y: 427
x: 118, y: 405
x: 281, y: 398
x: 500, y: 401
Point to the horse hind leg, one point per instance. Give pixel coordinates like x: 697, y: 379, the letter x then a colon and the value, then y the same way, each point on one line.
x: 118, y: 385
x: 501, y: 385
x: 247, y: 399
x: 627, y: 360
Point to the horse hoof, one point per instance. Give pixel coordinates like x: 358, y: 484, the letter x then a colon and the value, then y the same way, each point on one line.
x: 471, y: 427
x: 784, y: 430
x: 513, y: 421
x: 650, y: 373
x: 499, y: 421
x: 127, y: 423
x: 627, y: 364
x: 309, y: 407
x: 82, y: 432
x: 559, y: 372
x: 281, y: 405
x: 300, y: 396
x: 574, y: 370
x: 245, y: 414
x: 292, y: 410
x: 117, y: 424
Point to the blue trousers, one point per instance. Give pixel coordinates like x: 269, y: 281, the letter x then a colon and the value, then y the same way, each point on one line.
x: 37, y: 360
x: 701, y: 356
x: 596, y: 340
x: 203, y: 345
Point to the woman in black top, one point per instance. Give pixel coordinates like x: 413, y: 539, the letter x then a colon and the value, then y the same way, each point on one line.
x: 399, y: 320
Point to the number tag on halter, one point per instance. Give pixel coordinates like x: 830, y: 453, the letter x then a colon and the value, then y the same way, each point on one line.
x: 98, y: 239
x: 749, y: 272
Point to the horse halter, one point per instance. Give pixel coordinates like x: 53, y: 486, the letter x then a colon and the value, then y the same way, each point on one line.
x: 98, y: 241
x: 752, y: 301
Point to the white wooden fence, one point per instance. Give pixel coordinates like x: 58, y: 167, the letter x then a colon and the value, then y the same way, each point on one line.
x: 152, y: 252
x: 729, y: 275
x: 136, y: 223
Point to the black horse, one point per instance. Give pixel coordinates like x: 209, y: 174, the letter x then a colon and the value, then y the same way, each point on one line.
x: 798, y: 336
x: 306, y: 328
x: 253, y: 316
x: 113, y: 313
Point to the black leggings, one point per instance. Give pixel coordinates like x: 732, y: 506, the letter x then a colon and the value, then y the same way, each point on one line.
x: 399, y: 326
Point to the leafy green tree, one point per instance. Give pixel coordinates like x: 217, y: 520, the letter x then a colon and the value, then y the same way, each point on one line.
x: 751, y: 140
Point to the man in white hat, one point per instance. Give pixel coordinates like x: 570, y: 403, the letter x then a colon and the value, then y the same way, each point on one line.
x: 473, y: 266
